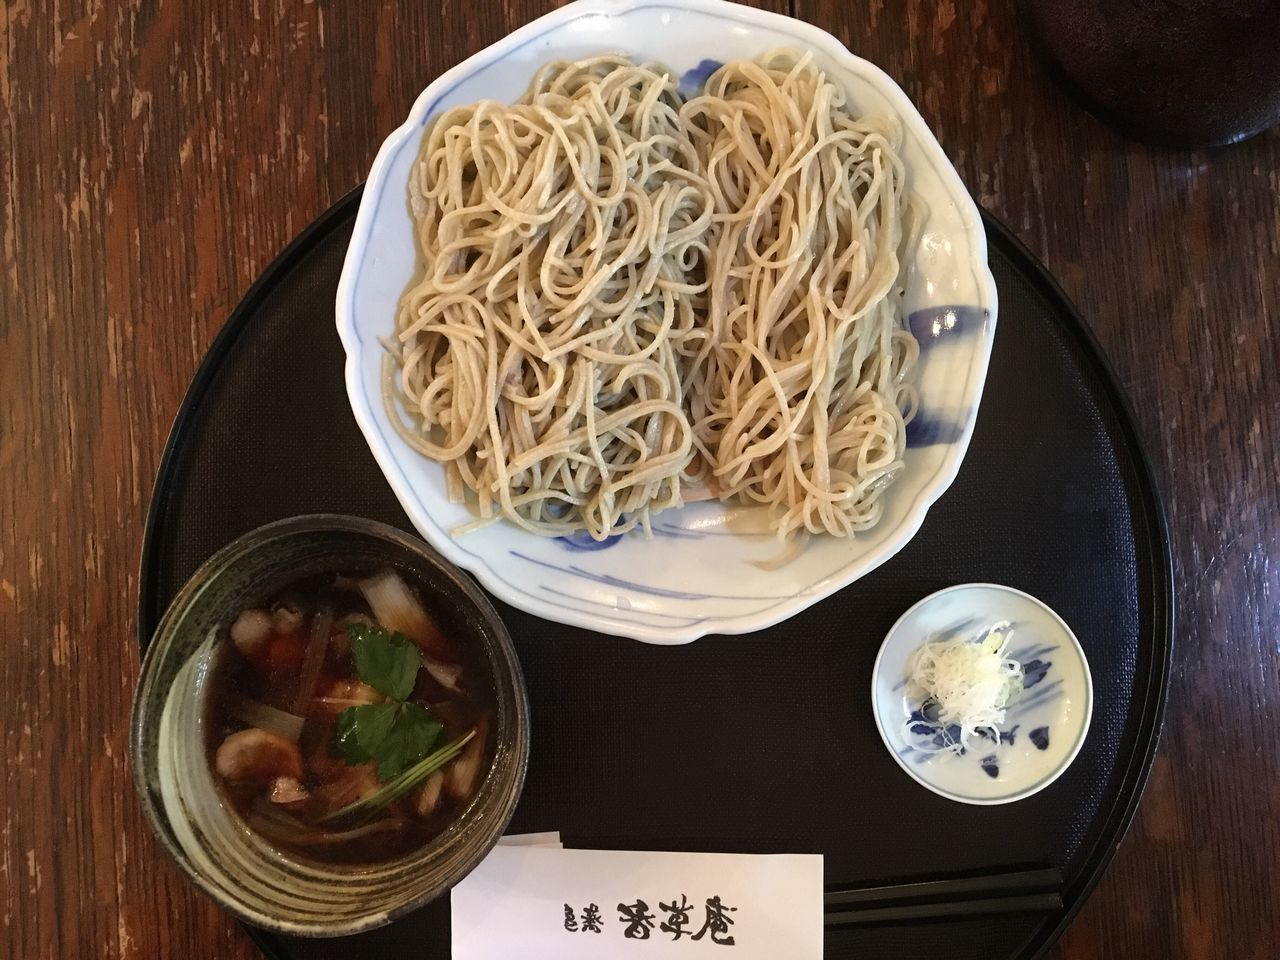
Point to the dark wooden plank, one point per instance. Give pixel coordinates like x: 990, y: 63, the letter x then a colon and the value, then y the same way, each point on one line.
x: 155, y: 156
x: 1174, y: 258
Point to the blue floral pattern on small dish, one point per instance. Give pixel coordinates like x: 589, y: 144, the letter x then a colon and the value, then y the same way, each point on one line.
x: 1042, y: 730
x: 922, y: 717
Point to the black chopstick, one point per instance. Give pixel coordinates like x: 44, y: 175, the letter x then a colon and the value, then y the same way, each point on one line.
x: 1023, y: 891
x: 1032, y: 903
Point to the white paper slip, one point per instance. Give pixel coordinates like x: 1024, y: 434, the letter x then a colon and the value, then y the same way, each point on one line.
x: 524, y: 901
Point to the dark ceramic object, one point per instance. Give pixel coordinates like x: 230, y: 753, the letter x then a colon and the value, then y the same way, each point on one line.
x: 1186, y: 73
x: 214, y: 848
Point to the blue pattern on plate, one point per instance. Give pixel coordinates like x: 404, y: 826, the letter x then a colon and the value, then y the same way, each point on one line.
x: 620, y: 612
x: 1046, y: 694
x: 612, y: 581
x: 581, y: 540
x: 1033, y: 672
x: 946, y: 324
x: 1026, y: 654
x: 1002, y: 736
x: 694, y: 80
x: 931, y: 326
x: 927, y: 431
x: 922, y: 721
x: 668, y: 529
x: 375, y: 202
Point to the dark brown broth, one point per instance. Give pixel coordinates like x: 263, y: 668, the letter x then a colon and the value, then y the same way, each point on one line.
x: 238, y: 679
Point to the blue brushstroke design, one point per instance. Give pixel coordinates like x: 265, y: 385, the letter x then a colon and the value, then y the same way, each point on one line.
x: 632, y: 585
x: 945, y: 737
x: 1046, y: 693
x: 621, y: 614
x: 923, y: 723
x: 1033, y: 672
x: 674, y: 532
x: 670, y: 530
x: 1001, y: 736
x: 1040, y: 737
x: 927, y: 431
x: 1023, y: 654
x: 583, y: 541
x: 990, y: 767
x: 694, y: 80
x: 930, y: 326
x: 946, y: 324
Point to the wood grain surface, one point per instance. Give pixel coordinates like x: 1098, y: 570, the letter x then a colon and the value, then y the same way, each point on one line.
x: 155, y: 156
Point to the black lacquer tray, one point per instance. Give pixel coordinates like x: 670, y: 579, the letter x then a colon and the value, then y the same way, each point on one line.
x: 760, y: 743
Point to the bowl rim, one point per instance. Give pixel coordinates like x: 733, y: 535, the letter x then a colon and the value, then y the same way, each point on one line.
x: 1040, y: 784
x: 479, y: 565
x: 143, y: 713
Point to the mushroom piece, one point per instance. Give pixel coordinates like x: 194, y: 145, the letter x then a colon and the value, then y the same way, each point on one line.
x: 257, y: 756
x: 288, y: 792
x: 286, y: 618
x: 251, y: 631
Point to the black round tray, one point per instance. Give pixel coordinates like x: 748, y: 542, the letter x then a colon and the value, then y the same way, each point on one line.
x: 761, y: 743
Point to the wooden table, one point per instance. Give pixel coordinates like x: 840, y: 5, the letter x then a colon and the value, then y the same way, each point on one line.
x: 154, y: 158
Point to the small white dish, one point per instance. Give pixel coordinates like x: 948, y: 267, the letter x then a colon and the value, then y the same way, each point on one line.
x: 699, y: 573
x: 1043, y: 729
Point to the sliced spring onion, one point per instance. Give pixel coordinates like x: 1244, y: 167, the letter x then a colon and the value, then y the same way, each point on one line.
x: 266, y: 717
x: 460, y: 778
x: 428, y: 797
x: 413, y: 777
x: 448, y: 675
x: 396, y: 607
x: 970, y: 680
x: 313, y: 660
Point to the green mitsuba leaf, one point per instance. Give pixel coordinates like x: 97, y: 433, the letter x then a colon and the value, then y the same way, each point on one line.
x: 386, y: 661
x: 396, y: 734
x: 411, y: 739
x: 362, y: 731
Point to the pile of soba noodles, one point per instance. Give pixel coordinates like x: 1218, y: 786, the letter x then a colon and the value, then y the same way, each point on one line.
x: 631, y: 300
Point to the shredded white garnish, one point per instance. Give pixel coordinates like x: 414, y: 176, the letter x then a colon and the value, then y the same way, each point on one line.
x: 964, y: 682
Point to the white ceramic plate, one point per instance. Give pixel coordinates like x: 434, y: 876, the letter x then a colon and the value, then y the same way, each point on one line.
x: 696, y: 575
x: 1043, y: 729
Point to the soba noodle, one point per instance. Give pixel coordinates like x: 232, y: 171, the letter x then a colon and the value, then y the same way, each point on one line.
x: 800, y: 401
x: 629, y: 300
x: 564, y: 246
